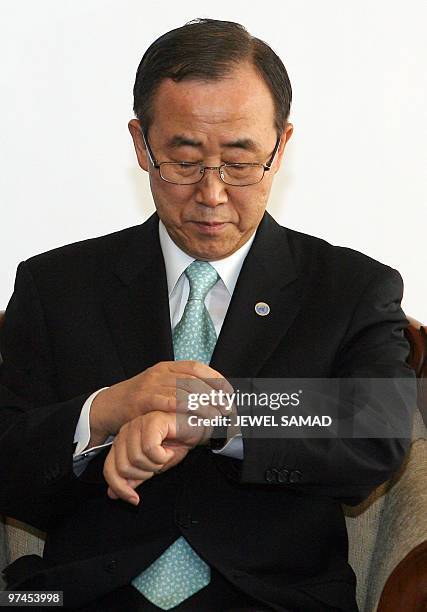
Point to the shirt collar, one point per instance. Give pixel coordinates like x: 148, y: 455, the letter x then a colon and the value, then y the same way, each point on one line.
x: 176, y: 261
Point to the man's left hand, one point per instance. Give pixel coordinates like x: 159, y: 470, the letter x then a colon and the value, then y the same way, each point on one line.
x: 148, y: 445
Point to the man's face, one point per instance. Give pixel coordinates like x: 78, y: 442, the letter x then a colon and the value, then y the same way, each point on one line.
x: 214, y: 122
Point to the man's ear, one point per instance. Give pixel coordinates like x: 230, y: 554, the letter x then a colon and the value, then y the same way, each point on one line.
x: 286, y: 134
x: 138, y: 142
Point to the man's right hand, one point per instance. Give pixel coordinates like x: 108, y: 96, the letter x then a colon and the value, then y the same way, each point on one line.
x: 155, y: 389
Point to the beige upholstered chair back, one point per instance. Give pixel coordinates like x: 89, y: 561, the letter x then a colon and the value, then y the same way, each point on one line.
x: 387, y: 526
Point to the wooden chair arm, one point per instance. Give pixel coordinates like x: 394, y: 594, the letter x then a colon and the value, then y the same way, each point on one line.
x: 406, y: 587
x: 417, y: 337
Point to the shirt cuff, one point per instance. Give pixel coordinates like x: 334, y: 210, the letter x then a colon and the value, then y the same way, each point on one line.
x: 82, y: 433
x: 233, y: 448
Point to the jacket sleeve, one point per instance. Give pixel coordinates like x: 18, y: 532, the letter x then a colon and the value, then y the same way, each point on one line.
x: 348, y: 468
x: 36, y: 430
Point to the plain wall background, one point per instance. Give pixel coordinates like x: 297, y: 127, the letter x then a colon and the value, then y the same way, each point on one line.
x: 355, y: 169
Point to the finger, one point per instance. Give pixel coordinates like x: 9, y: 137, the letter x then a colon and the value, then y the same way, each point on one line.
x: 207, y: 403
x: 191, y: 434
x: 123, y: 465
x: 154, y: 451
x: 122, y: 473
x: 111, y: 493
x: 140, y: 442
x: 121, y: 489
x: 192, y: 405
x: 161, y: 396
x: 187, y: 401
x: 163, y: 402
x: 220, y: 384
x: 195, y: 372
x: 175, y: 399
x: 168, y: 380
x: 135, y: 455
x: 118, y: 487
x: 179, y: 453
x: 198, y: 370
x: 131, y: 482
x: 191, y: 384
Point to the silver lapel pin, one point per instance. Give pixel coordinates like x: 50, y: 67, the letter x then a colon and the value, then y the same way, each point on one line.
x: 262, y: 309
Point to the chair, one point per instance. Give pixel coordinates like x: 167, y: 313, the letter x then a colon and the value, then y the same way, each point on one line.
x: 391, y: 571
x: 388, y: 531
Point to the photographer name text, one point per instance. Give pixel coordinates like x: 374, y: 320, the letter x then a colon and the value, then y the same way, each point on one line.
x: 269, y: 420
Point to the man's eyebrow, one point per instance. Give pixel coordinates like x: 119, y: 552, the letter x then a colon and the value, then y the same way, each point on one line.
x: 180, y: 140
x: 242, y: 143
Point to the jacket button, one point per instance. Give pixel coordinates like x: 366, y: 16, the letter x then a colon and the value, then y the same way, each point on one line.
x: 111, y: 566
x: 283, y: 475
x: 270, y: 476
x: 295, y: 476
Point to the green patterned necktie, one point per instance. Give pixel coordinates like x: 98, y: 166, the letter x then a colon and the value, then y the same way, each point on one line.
x: 194, y: 337
x: 179, y: 572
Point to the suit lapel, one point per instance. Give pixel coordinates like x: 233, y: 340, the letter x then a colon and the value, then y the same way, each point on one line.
x: 137, y: 307
x: 269, y: 275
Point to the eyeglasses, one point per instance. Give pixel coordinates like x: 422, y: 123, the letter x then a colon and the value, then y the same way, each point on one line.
x: 189, y: 173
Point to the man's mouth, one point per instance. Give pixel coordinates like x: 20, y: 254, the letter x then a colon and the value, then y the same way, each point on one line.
x: 209, y: 222
x: 210, y: 227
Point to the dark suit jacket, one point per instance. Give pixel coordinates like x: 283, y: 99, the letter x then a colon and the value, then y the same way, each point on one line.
x: 94, y: 313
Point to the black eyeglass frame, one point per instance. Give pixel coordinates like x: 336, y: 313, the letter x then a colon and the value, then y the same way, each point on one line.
x: 266, y: 167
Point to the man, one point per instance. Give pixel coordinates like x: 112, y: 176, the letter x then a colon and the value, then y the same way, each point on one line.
x: 101, y: 337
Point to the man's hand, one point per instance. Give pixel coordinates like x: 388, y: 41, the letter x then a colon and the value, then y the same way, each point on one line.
x: 155, y: 389
x: 146, y: 446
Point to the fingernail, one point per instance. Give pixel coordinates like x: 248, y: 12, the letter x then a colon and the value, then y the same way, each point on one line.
x: 134, y: 501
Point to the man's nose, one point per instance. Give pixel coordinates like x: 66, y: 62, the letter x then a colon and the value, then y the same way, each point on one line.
x: 211, y: 191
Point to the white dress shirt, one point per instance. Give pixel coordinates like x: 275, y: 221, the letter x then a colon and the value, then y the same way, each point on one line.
x: 217, y: 302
